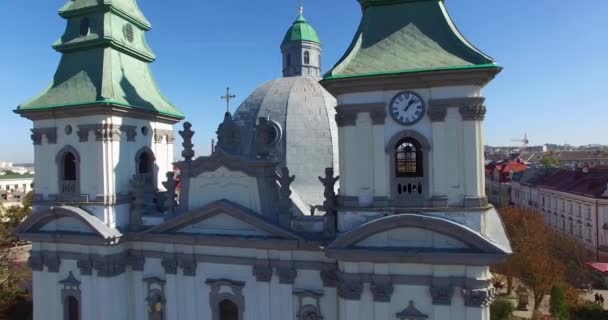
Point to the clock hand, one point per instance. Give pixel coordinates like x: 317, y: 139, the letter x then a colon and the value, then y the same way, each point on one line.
x: 409, y: 105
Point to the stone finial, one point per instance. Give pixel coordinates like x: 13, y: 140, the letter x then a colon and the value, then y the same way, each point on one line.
x: 285, y: 180
x: 478, y: 298
x: 170, y: 202
x: 186, y: 134
x: 138, y: 186
x: 330, y: 203
x: 227, y: 133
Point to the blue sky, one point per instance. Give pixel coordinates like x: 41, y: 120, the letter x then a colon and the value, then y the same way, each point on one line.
x: 552, y: 88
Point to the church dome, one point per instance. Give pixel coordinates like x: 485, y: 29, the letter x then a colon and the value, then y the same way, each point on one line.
x: 301, y: 30
x: 309, y: 136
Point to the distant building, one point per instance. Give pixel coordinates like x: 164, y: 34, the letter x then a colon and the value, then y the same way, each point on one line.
x: 498, y: 176
x: 14, y: 186
x: 574, y: 202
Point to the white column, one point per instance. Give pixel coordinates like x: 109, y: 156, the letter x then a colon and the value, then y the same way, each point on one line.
x: 380, y: 163
x: 171, y: 291
x: 439, y: 173
x: 473, y: 158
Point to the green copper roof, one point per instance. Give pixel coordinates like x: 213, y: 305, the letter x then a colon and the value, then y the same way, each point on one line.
x: 105, y: 60
x: 301, y: 30
x: 405, y: 36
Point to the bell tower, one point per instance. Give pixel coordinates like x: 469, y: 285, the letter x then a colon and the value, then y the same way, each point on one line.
x: 301, y: 49
x: 102, y: 121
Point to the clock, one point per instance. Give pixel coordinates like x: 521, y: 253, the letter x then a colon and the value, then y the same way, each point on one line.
x: 407, y: 108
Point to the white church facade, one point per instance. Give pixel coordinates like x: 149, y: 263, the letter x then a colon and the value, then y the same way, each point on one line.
x: 355, y: 195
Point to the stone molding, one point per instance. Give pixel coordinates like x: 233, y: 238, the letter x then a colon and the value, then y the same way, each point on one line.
x: 188, y: 265
x: 136, y: 261
x: 253, y: 168
x: 262, y: 273
x: 93, y: 108
x: 424, y: 142
x: 330, y: 277
x: 346, y: 114
x: 431, y: 79
x: 52, y: 262
x: 111, y: 265
x: 287, y: 274
x: 217, y: 295
x: 50, y: 134
x: 309, y: 311
x: 85, y: 265
x: 475, y: 202
x: 442, y: 295
x: 161, y: 135
x: 478, y: 298
x: 169, y: 265
x: 382, y: 288
x: 102, y: 200
x: 350, y: 287
x: 468, y: 107
x: 106, y: 132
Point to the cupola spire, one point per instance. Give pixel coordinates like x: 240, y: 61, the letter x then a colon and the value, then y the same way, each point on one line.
x: 301, y: 48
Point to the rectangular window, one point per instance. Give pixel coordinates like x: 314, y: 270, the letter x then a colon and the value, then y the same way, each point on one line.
x: 588, y: 212
x: 589, y: 234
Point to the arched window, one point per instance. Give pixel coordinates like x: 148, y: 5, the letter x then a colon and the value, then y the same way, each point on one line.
x: 72, y: 308
x: 144, y: 163
x: 68, y: 170
x: 229, y: 310
x: 408, y: 158
x: 69, y: 167
x: 306, y: 57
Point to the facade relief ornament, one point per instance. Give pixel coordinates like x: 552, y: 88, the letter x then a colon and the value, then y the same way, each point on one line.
x: 131, y: 132
x: 34, y: 262
x: 171, y: 187
x: 267, y: 134
x: 287, y: 275
x: 155, y: 300
x: 262, y: 273
x: 111, y: 265
x: 330, y: 277
x: 378, y: 117
x: 285, y: 181
x: 161, y: 135
x: 136, y: 261
x: 138, y: 187
x: 329, y: 181
x: 170, y: 265
x: 227, y: 133
x: 442, y: 295
x: 187, y: 134
x: 350, y: 288
x: 344, y: 119
x: 52, y: 262
x: 85, y: 265
x: 382, y: 290
x: 49, y: 133
x: 478, y: 298
x: 188, y: 265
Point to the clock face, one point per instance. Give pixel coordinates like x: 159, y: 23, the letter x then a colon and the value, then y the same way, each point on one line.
x: 407, y: 108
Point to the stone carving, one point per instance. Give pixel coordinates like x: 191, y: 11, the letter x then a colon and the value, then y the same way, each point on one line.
x: 442, y: 295
x: 411, y: 313
x: 287, y: 275
x: 478, y: 298
x: 170, y: 265
x: 52, y: 263
x: 111, y: 265
x: 307, y: 309
x: 285, y: 180
x: 382, y: 290
x: 136, y: 261
x: 85, y: 265
x: 330, y: 204
x: 475, y: 111
x: 107, y: 132
x: 223, y: 289
x: 188, y: 265
x: 266, y: 136
x: 437, y: 113
x: 378, y: 117
x: 50, y: 133
x: 350, y: 289
x: 187, y: 134
x: 227, y: 133
x: 160, y: 135
x: 262, y: 273
x: 330, y: 277
x: 138, y: 186
x: 35, y: 262
x: 131, y: 132
x: 170, y: 195
x: 156, y: 298
x: 345, y: 118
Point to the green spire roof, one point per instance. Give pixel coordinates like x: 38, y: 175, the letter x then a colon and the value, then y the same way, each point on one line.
x: 300, y: 31
x: 105, y: 61
x: 404, y: 36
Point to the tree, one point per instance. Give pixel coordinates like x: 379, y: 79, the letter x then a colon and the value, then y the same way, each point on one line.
x: 28, y: 200
x: 559, y: 309
x: 550, y: 161
x: 531, y: 260
x: 501, y: 309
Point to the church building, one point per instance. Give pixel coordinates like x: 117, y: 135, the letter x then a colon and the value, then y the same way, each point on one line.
x: 356, y: 194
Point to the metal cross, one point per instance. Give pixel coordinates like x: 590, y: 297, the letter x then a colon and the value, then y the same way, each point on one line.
x: 301, y: 8
x: 228, y: 97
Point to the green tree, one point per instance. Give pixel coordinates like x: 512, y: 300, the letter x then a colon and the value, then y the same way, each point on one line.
x: 501, y: 309
x: 559, y: 309
x: 28, y: 200
x: 550, y: 161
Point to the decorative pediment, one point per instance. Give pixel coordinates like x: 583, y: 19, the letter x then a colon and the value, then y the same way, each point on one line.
x: 221, y: 158
x: 415, y: 238
x: 63, y: 223
x: 223, y: 219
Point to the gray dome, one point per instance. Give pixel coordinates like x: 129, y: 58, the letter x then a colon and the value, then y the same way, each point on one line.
x: 309, y: 143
